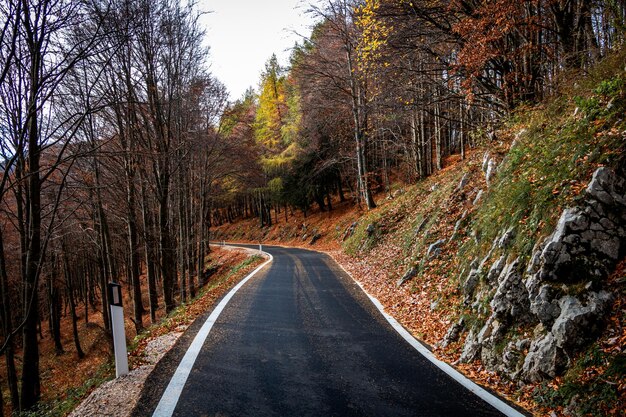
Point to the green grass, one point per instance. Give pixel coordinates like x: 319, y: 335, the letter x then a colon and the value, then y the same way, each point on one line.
x: 361, y: 241
x: 246, y: 262
x: 389, y: 217
x: 563, y: 143
x: 592, y: 396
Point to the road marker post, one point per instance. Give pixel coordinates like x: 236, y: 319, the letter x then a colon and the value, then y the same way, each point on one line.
x: 119, y: 333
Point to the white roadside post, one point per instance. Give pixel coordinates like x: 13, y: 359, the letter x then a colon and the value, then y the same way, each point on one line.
x: 119, y: 333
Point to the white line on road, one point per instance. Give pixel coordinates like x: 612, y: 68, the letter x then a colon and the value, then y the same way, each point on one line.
x: 485, y: 395
x: 170, y: 397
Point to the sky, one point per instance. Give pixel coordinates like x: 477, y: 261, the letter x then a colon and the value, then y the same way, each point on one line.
x: 243, y: 34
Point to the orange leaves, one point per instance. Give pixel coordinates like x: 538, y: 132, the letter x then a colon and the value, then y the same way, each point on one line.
x: 495, y: 34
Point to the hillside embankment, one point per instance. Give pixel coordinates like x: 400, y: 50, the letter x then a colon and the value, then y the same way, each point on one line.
x: 509, y: 264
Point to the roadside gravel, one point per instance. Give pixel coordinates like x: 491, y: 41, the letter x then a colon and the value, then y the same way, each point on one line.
x: 118, y: 397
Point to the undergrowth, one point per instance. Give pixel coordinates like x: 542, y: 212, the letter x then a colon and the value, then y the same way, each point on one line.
x: 61, y: 406
x: 557, y: 148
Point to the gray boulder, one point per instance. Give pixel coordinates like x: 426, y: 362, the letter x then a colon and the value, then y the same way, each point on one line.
x: 491, y: 171
x: 607, y: 187
x: 462, y: 183
x: 586, y: 243
x: 486, y: 159
x: 471, y: 348
x: 471, y: 283
x: 410, y: 274
x: 496, y: 270
x: 580, y: 245
x: 420, y: 227
x: 545, y: 360
x: 457, y: 226
x: 575, y: 326
x: 510, y: 301
x: 453, y: 333
x: 523, y: 344
x: 349, y: 231
x: 478, y: 197
x: 506, y: 239
x: 512, y: 360
x: 535, y: 260
x: 434, y: 249
x: 315, y: 238
x: 489, y: 337
x: 578, y: 324
x: 545, y: 306
x: 583, y: 249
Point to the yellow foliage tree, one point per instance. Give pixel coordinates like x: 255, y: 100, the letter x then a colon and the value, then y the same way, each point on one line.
x: 272, y: 108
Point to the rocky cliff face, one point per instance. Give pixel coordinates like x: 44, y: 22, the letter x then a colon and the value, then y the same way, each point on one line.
x: 558, y: 296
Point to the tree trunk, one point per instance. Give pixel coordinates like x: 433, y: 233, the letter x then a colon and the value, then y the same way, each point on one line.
x: 31, y: 389
x: 6, y: 321
x: 462, y: 130
x: 359, y: 127
x: 182, y: 261
x: 54, y: 301
x: 104, y: 241
x: 149, y: 253
x: 438, y: 150
x: 342, y: 196
x: 1, y: 400
x: 69, y: 285
x: 200, y: 234
x: 168, y: 252
x: 79, y: 350
x: 133, y: 243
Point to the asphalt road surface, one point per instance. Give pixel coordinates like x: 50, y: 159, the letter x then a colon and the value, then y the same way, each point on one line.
x: 302, y: 339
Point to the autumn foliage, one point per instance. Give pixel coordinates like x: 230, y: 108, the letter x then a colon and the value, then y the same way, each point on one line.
x: 121, y: 152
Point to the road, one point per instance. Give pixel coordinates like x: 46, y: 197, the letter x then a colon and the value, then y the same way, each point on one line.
x: 302, y: 339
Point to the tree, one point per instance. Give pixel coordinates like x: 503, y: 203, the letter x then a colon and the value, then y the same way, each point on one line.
x: 271, y: 109
x: 331, y: 64
x: 41, y: 53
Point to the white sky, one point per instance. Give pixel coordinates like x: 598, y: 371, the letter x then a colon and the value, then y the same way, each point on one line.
x: 243, y: 34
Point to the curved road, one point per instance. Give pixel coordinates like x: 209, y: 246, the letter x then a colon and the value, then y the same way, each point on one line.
x: 302, y: 339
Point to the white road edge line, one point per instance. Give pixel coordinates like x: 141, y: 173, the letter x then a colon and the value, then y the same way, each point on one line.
x: 485, y: 395
x: 170, y: 397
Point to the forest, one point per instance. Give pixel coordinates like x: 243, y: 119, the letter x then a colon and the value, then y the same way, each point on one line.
x: 120, y: 149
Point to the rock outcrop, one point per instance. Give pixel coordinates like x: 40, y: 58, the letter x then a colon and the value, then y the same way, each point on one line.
x: 573, y: 328
x: 489, y: 167
x: 560, y: 291
x: 410, y: 274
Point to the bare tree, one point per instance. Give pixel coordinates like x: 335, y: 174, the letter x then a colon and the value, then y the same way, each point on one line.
x: 42, y: 56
